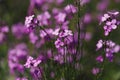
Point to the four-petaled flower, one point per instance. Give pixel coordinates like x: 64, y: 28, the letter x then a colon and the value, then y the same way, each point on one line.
x: 28, y: 20
x: 32, y: 62
x: 59, y: 43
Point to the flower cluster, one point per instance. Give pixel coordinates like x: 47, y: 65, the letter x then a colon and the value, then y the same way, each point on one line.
x: 58, y: 36
x: 109, y: 47
x: 35, y: 69
x: 64, y: 38
x: 16, y: 56
x: 31, y: 62
x: 30, y: 22
x: 110, y: 21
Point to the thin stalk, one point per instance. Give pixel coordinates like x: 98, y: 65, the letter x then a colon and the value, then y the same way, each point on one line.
x: 102, y: 69
x: 42, y: 73
x: 78, y: 25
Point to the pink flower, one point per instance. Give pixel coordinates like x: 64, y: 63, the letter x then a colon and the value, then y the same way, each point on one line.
x: 60, y: 17
x: 99, y: 44
x: 99, y: 58
x: 95, y: 71
x: 59, y: 43
x: 105, y: 17
x: 28, y: 20
x: 32, y: 62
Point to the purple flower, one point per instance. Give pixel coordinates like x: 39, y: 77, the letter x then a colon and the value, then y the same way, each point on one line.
x: 59, y: 1
x: 16, y: 56
x: 44, y: 18
x: 109, y: 47
x: 59, y: 58
x: 56, y: 32
x: 99, y: 44
x: 99, y: 59
x: 105, y: 17
x: 2, y: 37
x: 88, y: 36
x: 3, y: 31
x: 33, y: 37
x: 60, y: 17
x: 36, y: 73
x: 102, y: 5
x: 42, y: 34
x: 59, y: 43
x: 110, y: 21
x: 113, y: 13
x: 87, y: 18
x: 82, y: 2
x: 52, y: 74
x: 30, y: 22
x: 109, y: 56
x: 65, y: 33
x: 18, y: 30
x: 32, y: 62
x: 70, y: 9
x: 68, y: 40
x: 95, y: 71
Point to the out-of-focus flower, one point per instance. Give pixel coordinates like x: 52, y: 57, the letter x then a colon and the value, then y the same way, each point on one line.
x: 70, y: 9
x: 16, y: 56
x: 59, y: 43
x: 65, y: 33
x: 3, y: 31
x: 60, y: 17
x: 52, y: 74
x: 103, y: 5
x: 23, y: 78
x: 42, y: 34
x: 99, y: 59
x: 36, y: 73
x: 95, y: 71
x: 44, y: 18
x: 56, y: 32
x: 88, y: 36
x: 87, y: 18
x: 109, y: 47
x: 33, y: 37
x: 18, y: 30
x: 83, y: 2
x: 59, y: 58
x: 59, y: 1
